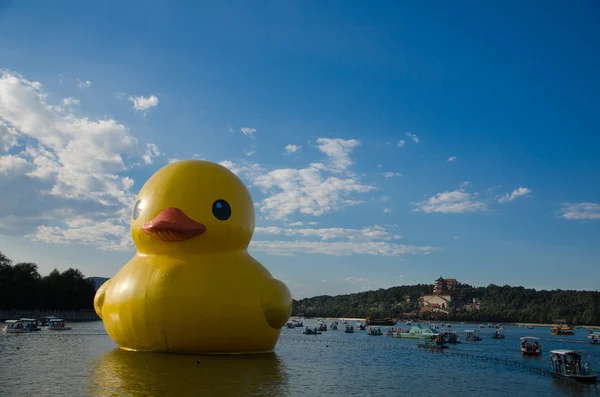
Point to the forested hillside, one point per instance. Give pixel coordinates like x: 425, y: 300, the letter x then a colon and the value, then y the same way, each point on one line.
x: 499, y: 304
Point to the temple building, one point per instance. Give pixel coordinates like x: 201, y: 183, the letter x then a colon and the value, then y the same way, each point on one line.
x: 441, y: 298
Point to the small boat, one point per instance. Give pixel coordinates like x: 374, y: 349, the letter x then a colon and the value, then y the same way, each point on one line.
x: 345, y: 322
x: 561, y: 328
x: 375, y: 331
x: 349, y: 329
x: 380, y: 321
x: 45, y: 321
x: 334, y: 327
x: 594, y: 338
x: 498, y: 335
x: 434, y: 343
x: 530, y: 327
x: 362, y: 327
x: 481, y: 326
x: 58, y: 324
x: 415, y: 332
x: 409, y: 322
x: 531, y: 346
x: 309, y: 331
x: 448, y: 325
x: 321, y: 326
x: 14, y: 327
x: 290, y: 325
x: 570, y: 364
x: 31, y: 324
x: 472, y: 335
x: 451, y: 337
x: 297, y: 323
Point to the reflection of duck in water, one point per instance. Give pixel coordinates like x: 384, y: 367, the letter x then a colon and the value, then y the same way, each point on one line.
x: 123, y: 373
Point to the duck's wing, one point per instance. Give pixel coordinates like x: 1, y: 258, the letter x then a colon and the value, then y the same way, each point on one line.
x: 99, y: 298
x: 276, y: 301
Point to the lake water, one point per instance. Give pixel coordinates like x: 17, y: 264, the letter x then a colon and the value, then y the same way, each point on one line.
x: 85, y: 361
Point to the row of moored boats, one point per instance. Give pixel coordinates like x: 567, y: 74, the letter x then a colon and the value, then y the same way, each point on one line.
x: 26, y: 325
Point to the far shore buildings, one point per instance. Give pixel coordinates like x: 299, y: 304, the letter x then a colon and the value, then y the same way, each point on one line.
x: 441, y: 298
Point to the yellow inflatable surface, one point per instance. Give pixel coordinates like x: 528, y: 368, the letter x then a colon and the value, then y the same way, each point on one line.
x: 192, y: 287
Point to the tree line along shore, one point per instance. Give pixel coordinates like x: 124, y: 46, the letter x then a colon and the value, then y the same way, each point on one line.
x: 22, y: 289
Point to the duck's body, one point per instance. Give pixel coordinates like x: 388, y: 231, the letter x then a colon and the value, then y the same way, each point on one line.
x: 162, y: 304
x: 202, y: 294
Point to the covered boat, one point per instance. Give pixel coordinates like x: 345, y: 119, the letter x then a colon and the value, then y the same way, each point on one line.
x: 309, y: 331
x: 31, y: 324
x: 451, y: 337
x: 374, y: 331
x: 58, y: 324
x: 472, y: 335
x: 349, y: 329
x: 45, y: 321
x: 498, y: 335
x: 436, y: 342
x: 561, y: 328
x: 531, y: 346
x: 594, y: 338
x: 14, y: 327
x: 572, y: 365
x: 415, y: 332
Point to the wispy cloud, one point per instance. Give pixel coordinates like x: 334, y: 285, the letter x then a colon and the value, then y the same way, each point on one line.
x: 249, y: 132
x: 580, y: 211
x: 451, y: 158
x: 522, y: 191
x: 401, y: 143
x: 143, y: 103
x: 391, y: 174
x: 451, y: 202
x: 412, y: 136
x: 83, y: 84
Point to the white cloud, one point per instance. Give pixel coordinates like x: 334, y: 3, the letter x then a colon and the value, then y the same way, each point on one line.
x: 401, y: 143
x: 456, y: 202
x: 379, y: 165
x: 144, y: 103
x: 289, y: 149
x: 391, y: 174
x: 387, y: 210
x: 522, y: 191
x: 83, y: 84
x: 173, y: 160
x: 370, y: 233
x: 230, y: 128
x: 384, y: 198
x: 65, y: 175
x: 355, y: 280
x: 250, y: 152
x: 377, y: 248
x: 465, y: 184
x: 580, y: 211
x: 451, y: 158
x: 70, y: 101
x: 414, y: 137
x: 293, y: 224
x: 150, y: 154
x: 248, y: 131
x: 372, y: 240
x: 338, y: 150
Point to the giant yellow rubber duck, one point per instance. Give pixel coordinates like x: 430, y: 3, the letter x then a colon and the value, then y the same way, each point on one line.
x: 192, y: 287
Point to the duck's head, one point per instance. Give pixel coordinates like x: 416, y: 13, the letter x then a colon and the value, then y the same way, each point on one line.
x: 192, y: 206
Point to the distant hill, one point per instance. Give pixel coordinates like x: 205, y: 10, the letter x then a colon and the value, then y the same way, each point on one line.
x: 98, y: 281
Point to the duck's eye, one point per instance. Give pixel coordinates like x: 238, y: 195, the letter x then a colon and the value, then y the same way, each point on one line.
x: 137, y: 209
x: 221, y: 210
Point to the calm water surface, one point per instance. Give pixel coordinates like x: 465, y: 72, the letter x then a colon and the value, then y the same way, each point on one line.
x: 85, y: 362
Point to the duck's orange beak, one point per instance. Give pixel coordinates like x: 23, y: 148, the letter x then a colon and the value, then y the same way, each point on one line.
x: 172, y: 224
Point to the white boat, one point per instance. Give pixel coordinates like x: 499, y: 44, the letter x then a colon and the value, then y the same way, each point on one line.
x: 531, y: 346
x: 58, y: 324
x: 571, y: 364
x: 31, y: 324
x: 595, y: 338
x: 45, y: 321
x: 14, y: 327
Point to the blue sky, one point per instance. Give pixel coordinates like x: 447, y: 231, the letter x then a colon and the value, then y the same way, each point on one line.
x: 94, y: 98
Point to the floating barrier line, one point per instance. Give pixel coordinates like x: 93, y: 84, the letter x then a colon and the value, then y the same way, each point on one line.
x: 530, y: 368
